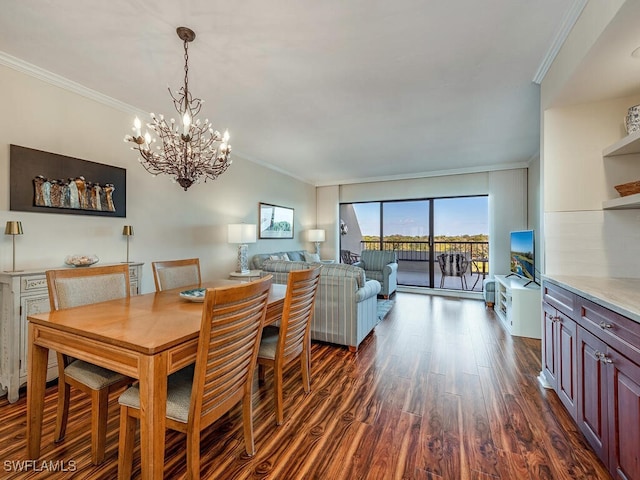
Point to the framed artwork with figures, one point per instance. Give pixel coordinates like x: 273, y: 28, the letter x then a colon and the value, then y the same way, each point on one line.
x: 47, y: 182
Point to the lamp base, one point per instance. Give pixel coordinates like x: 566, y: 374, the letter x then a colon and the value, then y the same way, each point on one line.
x: 243, y: 259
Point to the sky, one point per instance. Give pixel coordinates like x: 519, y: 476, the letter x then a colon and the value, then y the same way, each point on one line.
x: 522, y: 241
x: 452, y: 216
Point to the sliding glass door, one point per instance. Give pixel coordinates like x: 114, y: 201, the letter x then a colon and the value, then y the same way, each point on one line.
x: 406, y: 228
x: 421, y: 231
x: 460, y: 233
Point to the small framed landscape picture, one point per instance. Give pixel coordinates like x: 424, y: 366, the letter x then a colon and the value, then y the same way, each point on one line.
x: 275, y: 221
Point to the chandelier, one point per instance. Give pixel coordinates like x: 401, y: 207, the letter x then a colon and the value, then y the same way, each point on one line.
x: 188, y: 151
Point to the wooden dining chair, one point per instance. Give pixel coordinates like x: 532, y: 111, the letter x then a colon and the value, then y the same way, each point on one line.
x: 291, y: 341
x: 170, y: 274
x: 232, y: 321
x: 73, y: 287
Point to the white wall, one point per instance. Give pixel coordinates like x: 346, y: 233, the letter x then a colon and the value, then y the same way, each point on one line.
x: 507, y: 212
x: 580, y: 237
x: 327, y: 199
x: 534, y: 208
x: 168, y: 222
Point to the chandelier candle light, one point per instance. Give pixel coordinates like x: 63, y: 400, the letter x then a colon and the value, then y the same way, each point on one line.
x: 242, y: 233
x: 190, y: 151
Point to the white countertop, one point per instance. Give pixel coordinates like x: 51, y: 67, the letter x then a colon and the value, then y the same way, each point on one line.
x: 621, y: 295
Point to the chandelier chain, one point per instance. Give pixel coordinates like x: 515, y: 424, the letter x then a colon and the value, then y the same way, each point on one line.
x: 186, y: 71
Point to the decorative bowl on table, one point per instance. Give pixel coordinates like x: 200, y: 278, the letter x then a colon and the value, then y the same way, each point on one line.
x: 194, y: 295
x: 80, y: 260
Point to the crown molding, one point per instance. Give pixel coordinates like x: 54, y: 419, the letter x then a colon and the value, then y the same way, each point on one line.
x: 62, y: 82
x: 435, y: 173
x: 569, y: 20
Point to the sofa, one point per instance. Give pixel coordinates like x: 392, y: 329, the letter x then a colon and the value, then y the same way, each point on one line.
x: 294, y: 255
x: 381, y: 265
x: 346, y: 302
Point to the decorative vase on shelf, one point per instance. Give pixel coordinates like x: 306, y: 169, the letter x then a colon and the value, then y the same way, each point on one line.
x: 632, y: 120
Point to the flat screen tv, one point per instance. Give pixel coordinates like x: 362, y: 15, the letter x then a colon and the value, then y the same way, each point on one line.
x: 523, y: 254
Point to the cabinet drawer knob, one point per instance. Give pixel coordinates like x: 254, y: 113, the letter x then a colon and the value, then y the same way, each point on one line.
x: 604, y: 325
x: 602, y: 357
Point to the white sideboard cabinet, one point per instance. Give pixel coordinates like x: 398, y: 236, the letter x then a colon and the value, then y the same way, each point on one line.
x: 517, y: 304
x: 22, y: 294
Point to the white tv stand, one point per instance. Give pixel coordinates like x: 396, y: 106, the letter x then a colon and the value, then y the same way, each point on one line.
x: 518, y: 306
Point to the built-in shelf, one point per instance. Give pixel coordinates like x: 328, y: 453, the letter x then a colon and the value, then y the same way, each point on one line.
x: 622, y: 203
x: 625, y: 146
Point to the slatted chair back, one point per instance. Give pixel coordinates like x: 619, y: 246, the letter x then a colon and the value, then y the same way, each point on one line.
x: 170, y: 274
x: 292, y: 340
x: 297, y: 313
x: 232, y: 323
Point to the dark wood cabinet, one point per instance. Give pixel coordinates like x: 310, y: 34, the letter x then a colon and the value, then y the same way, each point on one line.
x: 567, y: 362
x: 624, y: 416
x: 591, y: 358
x: 592, y: 411
x: 549, y: 363
x: 559, y: 351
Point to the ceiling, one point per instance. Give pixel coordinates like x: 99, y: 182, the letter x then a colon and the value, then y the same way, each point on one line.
x: 329, y: 92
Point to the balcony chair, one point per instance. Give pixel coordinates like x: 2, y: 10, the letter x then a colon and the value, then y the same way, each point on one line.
x: 291, y: 341
x: 453, y: 265
x: 381, y: 265
x: 176, y: 273
x: 348, y: 257
x: 71, y: 288
x: 197, y: 396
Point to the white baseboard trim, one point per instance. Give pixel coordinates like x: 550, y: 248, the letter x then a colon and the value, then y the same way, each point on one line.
x: 441, y: 292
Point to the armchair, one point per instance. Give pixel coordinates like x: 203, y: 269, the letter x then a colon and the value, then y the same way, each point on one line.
x: 346, y: 306
x: 382, y: 266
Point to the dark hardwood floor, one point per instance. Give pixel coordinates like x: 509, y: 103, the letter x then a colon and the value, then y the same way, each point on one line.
x: 436, y: 391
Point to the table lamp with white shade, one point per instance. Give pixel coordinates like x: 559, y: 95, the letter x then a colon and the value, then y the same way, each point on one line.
x: 316, y: 236
x: 242, y: 234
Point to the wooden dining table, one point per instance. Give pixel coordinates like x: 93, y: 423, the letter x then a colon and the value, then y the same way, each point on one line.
x: 146, y: 337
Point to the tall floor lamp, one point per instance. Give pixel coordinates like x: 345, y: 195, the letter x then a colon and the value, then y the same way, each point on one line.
x: 127, y: 231
x: 13, y: 228
x: 242, y: 233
